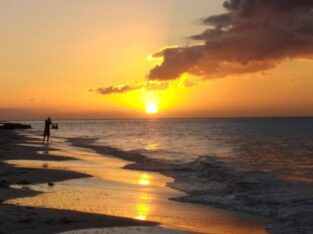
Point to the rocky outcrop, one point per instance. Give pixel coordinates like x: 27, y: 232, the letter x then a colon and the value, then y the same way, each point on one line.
x: 13, y: 126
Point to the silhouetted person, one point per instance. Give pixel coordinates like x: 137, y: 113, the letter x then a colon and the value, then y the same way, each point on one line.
x: 55, y: 126
x: 46, y: 133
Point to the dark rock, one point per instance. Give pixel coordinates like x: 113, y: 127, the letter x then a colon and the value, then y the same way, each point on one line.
x: 13, y: 126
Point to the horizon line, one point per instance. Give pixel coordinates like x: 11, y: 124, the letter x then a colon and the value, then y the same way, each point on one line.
x: 167, y: 118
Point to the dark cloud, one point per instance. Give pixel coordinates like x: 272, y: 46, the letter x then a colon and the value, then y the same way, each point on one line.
x: 118, y: 89
x: 149, y: 86
x: 252, y: 36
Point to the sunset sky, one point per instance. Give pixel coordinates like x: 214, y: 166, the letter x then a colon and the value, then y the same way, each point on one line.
x: 116, y: 59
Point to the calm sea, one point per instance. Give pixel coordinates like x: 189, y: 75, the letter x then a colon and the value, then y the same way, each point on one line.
x: 282, y: 146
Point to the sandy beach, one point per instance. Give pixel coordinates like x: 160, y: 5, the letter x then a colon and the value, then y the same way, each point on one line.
x: 18, y: 182
x: 59, y: 188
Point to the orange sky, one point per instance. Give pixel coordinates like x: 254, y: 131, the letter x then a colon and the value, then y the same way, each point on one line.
x: 54, y: 52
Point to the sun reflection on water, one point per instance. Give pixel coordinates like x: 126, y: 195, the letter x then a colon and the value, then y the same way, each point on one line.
x: 142, y: 211
x: 145, y: 197
x: 152, y: 146
x: 144, y: 179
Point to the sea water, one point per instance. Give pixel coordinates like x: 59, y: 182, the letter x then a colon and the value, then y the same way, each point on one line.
x: 283, y: 146
x: 262, y: 166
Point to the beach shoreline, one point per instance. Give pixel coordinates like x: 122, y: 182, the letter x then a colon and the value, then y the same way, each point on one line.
x: 17, y: 182
x: 60, y: 158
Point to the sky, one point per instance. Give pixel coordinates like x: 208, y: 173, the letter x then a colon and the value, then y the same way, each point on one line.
x: 96, y: 59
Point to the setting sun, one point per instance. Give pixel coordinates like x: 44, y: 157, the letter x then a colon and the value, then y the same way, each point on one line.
x: 151, y: 108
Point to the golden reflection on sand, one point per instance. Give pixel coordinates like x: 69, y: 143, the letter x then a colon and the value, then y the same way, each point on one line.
x: 142, y: 211
x: 143, y: 208
x: 152, y: 146
x: 144, y: 180
x: 145, y: 197
x: 126, y: 193
x: 93, y: 164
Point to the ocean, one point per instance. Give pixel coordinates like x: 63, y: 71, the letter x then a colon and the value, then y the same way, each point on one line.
x: 261, y: 166
x: 282, y: 146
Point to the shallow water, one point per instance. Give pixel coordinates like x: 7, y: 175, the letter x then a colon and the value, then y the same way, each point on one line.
x: 127, y: 193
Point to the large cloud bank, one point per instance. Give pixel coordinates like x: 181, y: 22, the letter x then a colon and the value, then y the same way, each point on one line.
x: 252, y: 36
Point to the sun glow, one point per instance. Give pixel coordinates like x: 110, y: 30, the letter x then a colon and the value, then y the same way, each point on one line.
x: 152, y: 108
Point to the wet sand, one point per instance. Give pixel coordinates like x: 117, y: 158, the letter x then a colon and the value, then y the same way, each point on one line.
x: 17, y: 183
x: 86, y: 183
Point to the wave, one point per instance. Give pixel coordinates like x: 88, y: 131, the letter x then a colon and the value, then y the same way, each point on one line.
x: 287, y: 204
